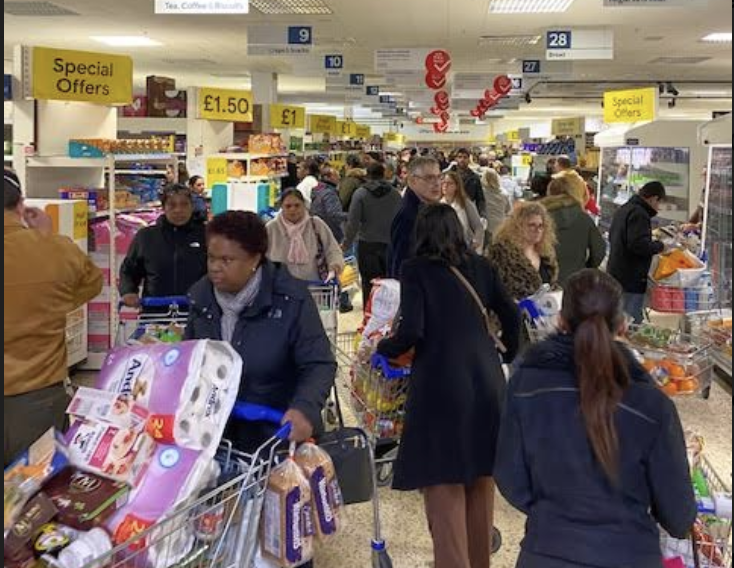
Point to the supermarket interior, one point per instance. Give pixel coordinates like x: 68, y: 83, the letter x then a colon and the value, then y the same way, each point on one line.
x: 110, y: 108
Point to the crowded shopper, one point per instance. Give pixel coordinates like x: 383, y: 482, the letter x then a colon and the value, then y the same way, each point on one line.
x: 523, y: 251
x: 326, y: 205
x: 354, y: 178
x: 632, y: 246
x: 167, y: 258
x: 197, y: 187
x: 499, y: 206
x: 289, y: 363
x: 373, y: 210
x: 452, y: 189
x: 472, y: 182
x: 580, y: 243
x: 424, y: 186
x: 305, y: 244
x: 308, y: 173
x: 509, y: 184
x: 590, y: 449
x: 46, y: 278
x: 453, y: 409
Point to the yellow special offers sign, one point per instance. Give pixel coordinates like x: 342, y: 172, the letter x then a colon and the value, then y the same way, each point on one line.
x: 63, y: 75
x: 568, y: 126
x: 322, y: 123
x: 638, y: 105
x: 363, y: 131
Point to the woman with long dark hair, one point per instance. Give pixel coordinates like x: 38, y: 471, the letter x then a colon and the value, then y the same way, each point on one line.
x: 590, y: 450
x: 457, y: 385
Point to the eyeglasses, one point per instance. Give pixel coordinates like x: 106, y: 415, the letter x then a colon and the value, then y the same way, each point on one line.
x: 536, y: 226
x: 429, y: 179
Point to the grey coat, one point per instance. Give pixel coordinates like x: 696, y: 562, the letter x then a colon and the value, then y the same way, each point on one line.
x: 372, y: 211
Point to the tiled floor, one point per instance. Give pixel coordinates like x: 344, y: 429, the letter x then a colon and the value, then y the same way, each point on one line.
x: 403, y: 522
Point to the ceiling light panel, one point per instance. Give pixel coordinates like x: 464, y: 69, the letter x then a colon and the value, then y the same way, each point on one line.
x: 718, y: 37
x: 36, y: 10
x: 509, y: 40
x: 528, y: 6
x: 126, y: 41
x: 292, y: 7
x: 684, y: 60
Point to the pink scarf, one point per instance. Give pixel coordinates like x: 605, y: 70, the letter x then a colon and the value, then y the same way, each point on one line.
x: 298, y: 252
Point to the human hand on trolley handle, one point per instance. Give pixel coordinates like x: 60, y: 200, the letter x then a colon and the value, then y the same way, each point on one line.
x: 301, y: 428
x: 131, y: 301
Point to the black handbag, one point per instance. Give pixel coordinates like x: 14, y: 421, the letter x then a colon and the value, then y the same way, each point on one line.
x: 350, y: 450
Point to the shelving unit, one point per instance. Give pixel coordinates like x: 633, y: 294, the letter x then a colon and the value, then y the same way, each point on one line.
x: 45, y: 175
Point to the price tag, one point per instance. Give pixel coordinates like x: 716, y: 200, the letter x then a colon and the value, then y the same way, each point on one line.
x: 527, y: 160
x: 363, y: 131
x: 346, y: 128
x: 287, y: 116
x: 81, y: 220
x: 216, y: 171
x: 513, y: 136
x: 322, y: 124
x: 225, y: 104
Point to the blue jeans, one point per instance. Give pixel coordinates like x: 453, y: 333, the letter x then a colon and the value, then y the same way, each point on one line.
x: 634, y: 306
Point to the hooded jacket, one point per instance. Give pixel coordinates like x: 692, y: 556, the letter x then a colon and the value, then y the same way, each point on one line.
x: 580, y: 244
x: 632, y: 247
x: 326, y: 205
x: 373, y: 210
x: 46, y: 278
x: 353, y: 180
x: 545, y: 466
x: 167, y: 260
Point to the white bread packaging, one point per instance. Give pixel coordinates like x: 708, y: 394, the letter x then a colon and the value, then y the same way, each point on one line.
x: 326, y: 496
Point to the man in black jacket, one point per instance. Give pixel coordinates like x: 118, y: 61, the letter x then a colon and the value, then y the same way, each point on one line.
x: 472, y: 183
x: 424, y: 186
x: 632, y: 247
x: 168, y: 258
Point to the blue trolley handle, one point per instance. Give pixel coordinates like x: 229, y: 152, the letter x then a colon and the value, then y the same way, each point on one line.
x: 249, y: 412
x: 165, y: 302
x: 389, y: 372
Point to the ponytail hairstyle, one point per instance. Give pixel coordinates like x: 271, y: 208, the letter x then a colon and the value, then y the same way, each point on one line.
x: 592, y: 312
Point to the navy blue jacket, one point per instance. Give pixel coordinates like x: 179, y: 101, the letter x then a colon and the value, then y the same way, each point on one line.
x: 288, y: 361
x: 402, y: 234
x: 546, y: 467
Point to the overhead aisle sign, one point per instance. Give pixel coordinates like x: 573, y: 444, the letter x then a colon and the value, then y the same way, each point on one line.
x: 322, y: 124
x: 228, y: 105
x: 373, y: 91
x: 637, y: 105
x: 202, y: 7
x: 579, y: 45
x: 279, y: 40
x: 8, y: 87
x: 64, y: 75
x: 287, y: 116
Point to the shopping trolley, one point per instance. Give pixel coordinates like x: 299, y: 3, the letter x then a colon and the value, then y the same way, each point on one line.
x: 710, y: 545
x: 221, y: 528
x: 326, y: 297
x: 161, y: 319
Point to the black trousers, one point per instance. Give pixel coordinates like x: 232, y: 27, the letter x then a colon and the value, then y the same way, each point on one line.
x: 372, y: 261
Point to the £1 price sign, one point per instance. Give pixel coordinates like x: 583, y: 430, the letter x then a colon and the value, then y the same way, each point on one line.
x: 225, y: 104
x: 287, y: 116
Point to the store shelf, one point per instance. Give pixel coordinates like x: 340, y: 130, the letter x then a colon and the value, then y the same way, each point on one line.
x: 65, y: 162
x: 143, y: 157
x: 140, y: 172
x: 246, y: 157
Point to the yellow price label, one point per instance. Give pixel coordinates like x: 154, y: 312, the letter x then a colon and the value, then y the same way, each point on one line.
x: 216, y: 171
x: 346, y: 128
x: 363, y: 131
x: 287, y: 116
x: 322, y: 124
x: 513, y: 136
x: 527, y: 160
x: 81, y: 220
x: 225, y: 104
x: 64, y: 75
x: 391, y: 137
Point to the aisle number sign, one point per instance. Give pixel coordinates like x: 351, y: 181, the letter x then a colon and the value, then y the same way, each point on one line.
x: 346, y: 128
x: 225, y: 104
x: 568, y: 126
x: 322, y: 124
x: 580, y: 44
x: 216, y: 171
x: 64, y: 75
x: 287, y: 116
x: 363, y: 131
x: 637, y: 105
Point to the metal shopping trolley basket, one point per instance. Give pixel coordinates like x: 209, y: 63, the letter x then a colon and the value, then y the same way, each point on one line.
x: 160, y: 320
x: 540, y: 313
x: 710, y: 545
x: 218, y: 530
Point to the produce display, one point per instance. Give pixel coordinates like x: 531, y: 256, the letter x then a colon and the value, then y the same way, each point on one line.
x: 678, y: 363
x: 671, y: 263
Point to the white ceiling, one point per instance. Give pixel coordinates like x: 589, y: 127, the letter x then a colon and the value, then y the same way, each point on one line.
x: 212, y: 50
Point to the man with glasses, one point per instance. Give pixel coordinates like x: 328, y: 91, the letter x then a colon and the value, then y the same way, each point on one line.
x: 424, y: 186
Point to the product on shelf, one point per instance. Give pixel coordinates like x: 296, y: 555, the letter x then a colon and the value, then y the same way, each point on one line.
x: 678, y: 267
x: 101, y: 147
x: 271, y: 144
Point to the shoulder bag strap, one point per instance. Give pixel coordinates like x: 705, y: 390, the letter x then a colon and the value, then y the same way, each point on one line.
x: 485, y: 314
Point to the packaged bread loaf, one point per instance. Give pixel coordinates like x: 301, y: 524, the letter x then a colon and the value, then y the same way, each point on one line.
x: 326, y: 496
x: 287, y: 527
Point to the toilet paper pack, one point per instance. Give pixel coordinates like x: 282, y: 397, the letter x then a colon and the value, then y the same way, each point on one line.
x: 188, y: 388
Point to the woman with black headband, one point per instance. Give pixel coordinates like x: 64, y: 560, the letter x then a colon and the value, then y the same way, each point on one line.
x: 169, y: 257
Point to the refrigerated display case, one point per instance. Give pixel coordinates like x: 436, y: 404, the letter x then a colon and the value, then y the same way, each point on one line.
x: 718, y: 244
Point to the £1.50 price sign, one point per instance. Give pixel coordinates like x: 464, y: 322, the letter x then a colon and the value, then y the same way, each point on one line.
x: 287, y: 116
x: 225, y: 104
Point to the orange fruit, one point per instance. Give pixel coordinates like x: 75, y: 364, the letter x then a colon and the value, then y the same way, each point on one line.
x: 671, y: 389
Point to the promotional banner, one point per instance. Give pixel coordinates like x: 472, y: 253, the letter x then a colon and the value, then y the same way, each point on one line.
x: 637, y: 105
x: 287, y: 116
x: 65, y: 75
